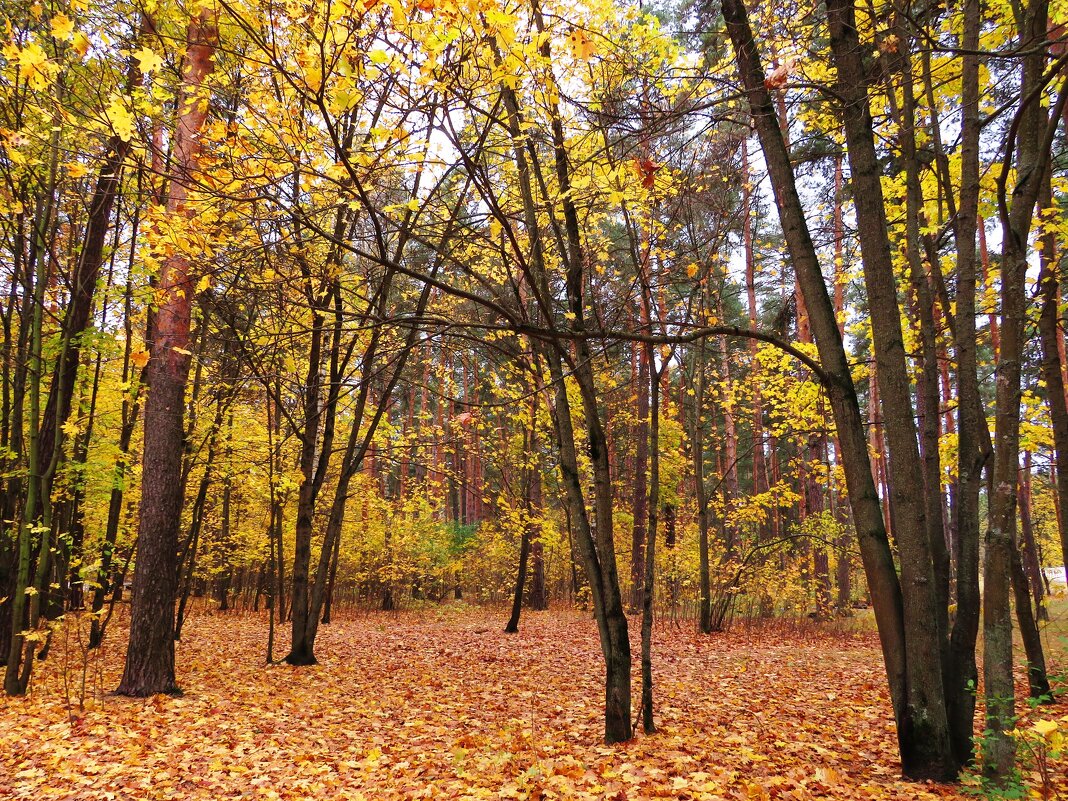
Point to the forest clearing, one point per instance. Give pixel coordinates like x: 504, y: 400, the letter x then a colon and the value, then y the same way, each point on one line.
x: 442, y: 704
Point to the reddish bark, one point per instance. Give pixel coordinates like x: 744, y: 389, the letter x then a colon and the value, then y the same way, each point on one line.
x: 150, y: 654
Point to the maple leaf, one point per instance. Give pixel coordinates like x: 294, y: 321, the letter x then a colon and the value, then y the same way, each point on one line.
x: 646, y: 169
x: 62, y: 27
x: 121, y: 120
x: 148, y: 61
x: 582, y: 47
x: 889, y: 44
x: 34, y: 66
x: 80, y: 44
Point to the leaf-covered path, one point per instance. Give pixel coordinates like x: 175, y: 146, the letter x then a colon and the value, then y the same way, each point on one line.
x: 446, y: 706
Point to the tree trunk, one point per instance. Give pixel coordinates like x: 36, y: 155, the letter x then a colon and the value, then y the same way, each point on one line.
x: 1029, y: 136
x: 538, y: 598
x: 1053, y: 367
x: 639, y: 507
x: 150, y: 655
x: 648, y: 592
x: 697, y: 440
x: 1028, y: 547
x: 973, y: 439
x: 598, y: 551
x: 924, y: 730
x: 524, y: 554
x: 1037, y: 680
x: 921, y: 757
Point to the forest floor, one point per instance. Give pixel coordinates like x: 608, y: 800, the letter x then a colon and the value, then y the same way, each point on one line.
x: 442, y: 704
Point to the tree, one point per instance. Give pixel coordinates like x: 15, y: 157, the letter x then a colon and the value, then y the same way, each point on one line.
x: 150, y: 653
x: 924, y: 750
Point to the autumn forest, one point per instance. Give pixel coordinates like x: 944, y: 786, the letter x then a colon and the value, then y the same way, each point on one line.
x: 512, y: 398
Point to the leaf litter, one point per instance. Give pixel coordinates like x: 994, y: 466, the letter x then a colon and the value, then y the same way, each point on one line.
x: 445, y: 705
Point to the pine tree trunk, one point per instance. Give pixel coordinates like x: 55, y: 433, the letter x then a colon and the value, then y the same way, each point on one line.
x: 150, y: 655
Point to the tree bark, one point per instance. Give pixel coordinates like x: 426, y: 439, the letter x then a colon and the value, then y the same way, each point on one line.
x: 1028, y: 150
x: 924, y: 730
x: 150, y: 655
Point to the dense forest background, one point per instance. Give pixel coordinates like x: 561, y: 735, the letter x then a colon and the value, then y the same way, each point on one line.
x: 683, y: 313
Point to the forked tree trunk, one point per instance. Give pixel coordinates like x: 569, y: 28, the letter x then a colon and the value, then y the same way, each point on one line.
x: 924, y: 730
x: 925, y: 753
x: 598, y: 553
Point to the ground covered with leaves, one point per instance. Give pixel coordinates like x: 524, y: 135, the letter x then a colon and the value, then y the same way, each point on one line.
x: 444, y: 705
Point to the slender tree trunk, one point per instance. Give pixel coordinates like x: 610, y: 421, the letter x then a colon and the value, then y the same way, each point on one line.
x: 648, y: 593
x: 927, y: 381
x: 704, y: 600
x: 1028, y: 547
x: 328, y: 602
x: 130, y: 411
x: 21, y: 649
x: 312, y: 474
x: 188, y: 555
x: 639, y: 507
x: 1037, y: 680
x: 598, y: 551
x: 1053, y: 366
x: 83, y: 289
x: 843, y: 571
x: 524, y: 544
x: 973, y: 440
x: 1028, y: 151
x: 538, y: 598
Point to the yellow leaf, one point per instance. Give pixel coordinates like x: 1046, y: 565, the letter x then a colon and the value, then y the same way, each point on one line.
x: 347, y: 98
x: 80, y: 45
x: 62, y: 27
x: 147, y: 60
x: 1046, y: 728
x: 121, y: 120
x: 34, y: 65
x: 582, y: 47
